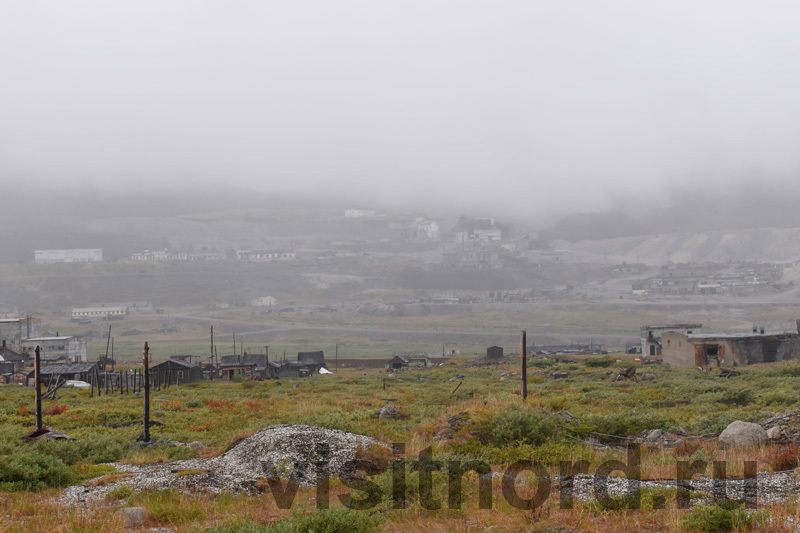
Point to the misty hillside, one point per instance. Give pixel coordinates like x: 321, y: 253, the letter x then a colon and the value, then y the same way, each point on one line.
x: 592, y: 226
x: 767, y: 244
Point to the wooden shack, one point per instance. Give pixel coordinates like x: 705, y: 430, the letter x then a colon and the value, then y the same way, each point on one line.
x: 176, y: 372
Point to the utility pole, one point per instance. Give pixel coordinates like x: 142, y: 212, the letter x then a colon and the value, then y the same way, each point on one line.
x: 266, y: 351
x: 234, y: 343
x: 336, y: 367
x: 212, y: 344
x: 524, y: 368
x: 146, y: 423
x: 37, y: 369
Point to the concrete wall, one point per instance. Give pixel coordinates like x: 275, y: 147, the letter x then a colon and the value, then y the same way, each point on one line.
x: 14, y: 331
x: 682, y: 351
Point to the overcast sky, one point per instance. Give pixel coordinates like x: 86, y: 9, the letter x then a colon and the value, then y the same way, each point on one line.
x: 516, y: 104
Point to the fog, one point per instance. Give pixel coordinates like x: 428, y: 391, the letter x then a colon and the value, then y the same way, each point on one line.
x: 526, y: 108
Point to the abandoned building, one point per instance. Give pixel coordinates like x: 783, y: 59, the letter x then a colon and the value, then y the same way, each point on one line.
x: 400, y: 361
x: 651, y: 336
x: 246, y: 365
x: 74, y: 371
x: 176, y: 372
x: 312, y: 357
x: 58, y: 347
x: 494, y: 352
x: 14, y: 330
x: 9, y: 373
x: 291, y: 369
x: 729, y: 349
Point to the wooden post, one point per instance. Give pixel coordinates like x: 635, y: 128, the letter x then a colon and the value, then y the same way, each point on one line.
x: 146, y: 421
x: 524, y: 362
x: 37, y: 369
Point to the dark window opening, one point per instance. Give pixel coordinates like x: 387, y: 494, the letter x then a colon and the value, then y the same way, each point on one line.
x: 712, y: 350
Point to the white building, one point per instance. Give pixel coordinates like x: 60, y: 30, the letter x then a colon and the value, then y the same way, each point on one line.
x: 265, y: 255
x: 362, y: 213
x: 90, y: 313
x: 429, y: 229
x: 71, y: 255
x: 264, y: 301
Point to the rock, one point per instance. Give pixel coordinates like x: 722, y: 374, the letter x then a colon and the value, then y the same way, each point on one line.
x: 445, y: 433
x: 774, y: 433
x: 741, y: 434
x: 390, y: 375
x: 197, y: 446
x: 647, y: 376
x: 457, y: 421
x: 568, y: 417
x: 655, y: 436
x: 134, y: 517
x: 559, y: 375
x: 502, y: 379
x: 388, y: 412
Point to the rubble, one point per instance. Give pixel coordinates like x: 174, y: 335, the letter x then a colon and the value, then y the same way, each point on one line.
x: 301, y: 454
x: 788, y: 422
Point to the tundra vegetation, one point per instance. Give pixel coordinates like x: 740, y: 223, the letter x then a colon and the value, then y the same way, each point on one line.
x: 495, y: 426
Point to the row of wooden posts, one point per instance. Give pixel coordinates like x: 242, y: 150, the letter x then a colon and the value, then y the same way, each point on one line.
x: 131, y: 381
x: 144, y: 382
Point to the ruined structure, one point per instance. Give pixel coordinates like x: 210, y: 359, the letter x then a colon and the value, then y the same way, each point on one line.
x: 729, y: 349
x: 651, y: 336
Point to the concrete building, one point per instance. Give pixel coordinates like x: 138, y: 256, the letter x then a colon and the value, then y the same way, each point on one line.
x: 95, y: 313
x: 728, y: 349
x: 71, y: 255
x: 55, y: 348
x: 13, y: 330
x: 651, y: 336
x: 265, y: 255
x: 130, y: 305
x: 264, y: 301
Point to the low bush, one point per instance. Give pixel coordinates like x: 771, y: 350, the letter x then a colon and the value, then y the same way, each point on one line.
x: 522, y: 427
x: 337, y: 520
x: 785, y: 457
x: 30, y: 469
x: 599, y: 362
x: 727, y: 515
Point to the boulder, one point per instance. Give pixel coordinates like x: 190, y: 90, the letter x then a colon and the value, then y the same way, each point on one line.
x: 388, y: 412
x: 559, y: 375
x: 134, y: 517
x: 774, y: 433
x: 741, y: 434
x: 647, y: 376
x: 197, y: 446
x: 655, y: 436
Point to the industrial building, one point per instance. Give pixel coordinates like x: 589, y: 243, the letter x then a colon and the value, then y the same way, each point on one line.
x: 729, y: 349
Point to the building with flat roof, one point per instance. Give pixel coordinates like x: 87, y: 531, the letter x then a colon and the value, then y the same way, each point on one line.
x: 80, y: 314
x: 729, y: 349
x: 68, y: 255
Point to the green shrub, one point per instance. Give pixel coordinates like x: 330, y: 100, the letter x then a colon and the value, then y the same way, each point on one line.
x: 95, y: 448
x: 29, y: 469
x: 247, y: 385
x: 238, y: 378
x: 336, y: 520
x: 599, y: 362
x: 726, y: 515
x: 541, y: 363
x: 522, y: 427
x: 194, y: 403
x: 119, y: 493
